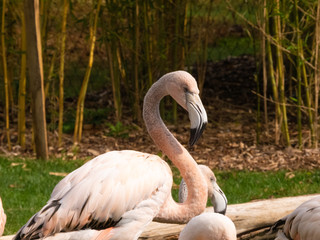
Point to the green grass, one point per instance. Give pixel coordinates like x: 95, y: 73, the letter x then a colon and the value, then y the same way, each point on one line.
x: 243, y: 186
x: 26, y: 185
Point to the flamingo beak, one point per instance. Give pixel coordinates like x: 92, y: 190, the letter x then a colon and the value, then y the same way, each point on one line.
x: 197, y: 115
x: 218, y: 199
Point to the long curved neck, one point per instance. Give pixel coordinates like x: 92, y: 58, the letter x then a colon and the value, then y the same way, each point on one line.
x: 180, y: 157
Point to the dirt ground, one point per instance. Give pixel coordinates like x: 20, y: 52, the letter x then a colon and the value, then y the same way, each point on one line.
x: 228, y: 142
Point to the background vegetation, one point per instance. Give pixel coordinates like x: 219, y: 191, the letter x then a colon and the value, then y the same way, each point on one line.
x: 124, y: 46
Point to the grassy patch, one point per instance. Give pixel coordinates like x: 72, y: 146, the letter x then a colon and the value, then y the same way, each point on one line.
x: 244, y: 186
x: 26, y: 185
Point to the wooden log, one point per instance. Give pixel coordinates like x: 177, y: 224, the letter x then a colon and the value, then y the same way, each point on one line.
x: 246, y: 216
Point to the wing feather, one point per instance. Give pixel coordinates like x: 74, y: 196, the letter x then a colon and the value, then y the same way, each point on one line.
x: 304, y: 221
x: 97, y: 194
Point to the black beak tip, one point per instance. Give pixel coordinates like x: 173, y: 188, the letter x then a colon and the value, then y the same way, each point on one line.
x: 195, y: 134
x: 193, y: 138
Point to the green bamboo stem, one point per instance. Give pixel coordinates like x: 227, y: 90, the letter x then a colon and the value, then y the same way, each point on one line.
x: 80, y: 104
x: 50, y: 75
x: 264, y: 65
x: 61, y: 70
x: 147, y: 42
x: 22, y: 86
x: 273, y: 83
x: 136, y: 43
x: 5, y: 73
x: 279, y: 60
x: 203, y: 49
x: 298, y: 68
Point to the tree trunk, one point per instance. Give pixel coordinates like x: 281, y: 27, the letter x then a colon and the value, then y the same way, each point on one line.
x: 35, y: 71
x: 316, y: 77
x: 247, y: 217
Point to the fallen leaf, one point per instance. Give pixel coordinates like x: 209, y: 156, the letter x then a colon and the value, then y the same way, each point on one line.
x: 93, y: 152
x: 60, y: 174
x: 18, y: 164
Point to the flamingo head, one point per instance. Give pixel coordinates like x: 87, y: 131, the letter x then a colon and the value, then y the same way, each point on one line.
x: 184, y: 90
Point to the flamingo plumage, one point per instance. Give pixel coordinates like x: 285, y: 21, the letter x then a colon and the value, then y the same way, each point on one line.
x: 215, y: 194
x: 209, y: 226
x: 302, y: 224
x: 3, y: 218
x: 121, y: 192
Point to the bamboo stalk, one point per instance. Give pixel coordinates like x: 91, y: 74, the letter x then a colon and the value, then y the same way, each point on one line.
x: 50, y: 75
x: 175, y: 50
x: 116, y: 53
x: 44, y: 13
x: 115, y: 63
x: 80, y: 104
x: 136, y: 43
x: 5, y: 73
x: 61, y: 70
x: 273, y: 83
x: 280, y: 70
x: 22, y: 86
x: 303, y: 76
x: 316, y: 77
x: 203, y: 56
x: 264, y: 65
x: 298, y: 68
x: 147, y: 42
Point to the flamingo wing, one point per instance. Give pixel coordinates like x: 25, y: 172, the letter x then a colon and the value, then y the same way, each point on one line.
x: 3, y: 218
x: 303, y: 222
x: 114, y: 189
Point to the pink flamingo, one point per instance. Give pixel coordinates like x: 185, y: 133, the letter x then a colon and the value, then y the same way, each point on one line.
x: 216, y: 195
x: 209, y: 226
x: 120, y: 192
x: 3, y: 218
x: 302, y: 224
x: 218, y: 200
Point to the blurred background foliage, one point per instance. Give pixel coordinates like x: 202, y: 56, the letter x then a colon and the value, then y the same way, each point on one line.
x: 133, y: 43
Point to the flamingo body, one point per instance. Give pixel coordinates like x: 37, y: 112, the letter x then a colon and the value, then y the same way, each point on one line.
x: 209, y: 226
x: 3, y: 218
x: 303, y: 223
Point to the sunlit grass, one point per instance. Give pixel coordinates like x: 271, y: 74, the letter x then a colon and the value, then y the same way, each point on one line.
x: 244, y: 186
x: 26, y: 185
